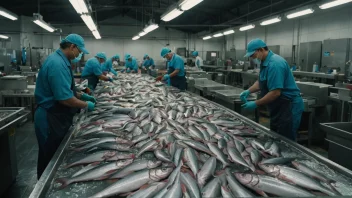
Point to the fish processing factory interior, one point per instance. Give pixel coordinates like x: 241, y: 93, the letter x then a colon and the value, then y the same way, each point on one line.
x: 175, y: 98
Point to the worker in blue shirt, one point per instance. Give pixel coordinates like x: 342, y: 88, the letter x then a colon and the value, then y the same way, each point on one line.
x: 278, y: 90
x: 107, y: 67
x: 199, y: 60
x: 56, y: 98
x: 148, y: 63
x: 176, y: 69
x: 131, y: 64
x: 93, y: 70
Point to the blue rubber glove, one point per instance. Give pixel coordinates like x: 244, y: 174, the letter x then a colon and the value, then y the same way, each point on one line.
x: 90, y: 106
x: 166, y: 77
x: 86, y: 97
x: 244, y: 95
x: 122, y: 70
x: 128, y: 71
x: 111, y: 80
x: 249, y: 105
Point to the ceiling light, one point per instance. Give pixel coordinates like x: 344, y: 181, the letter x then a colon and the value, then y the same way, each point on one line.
x: 207, y: 37
x: 136, y: 38
x: 229, y: 32
x: 218, y: 35
x: 142, y: 33
x: 3, y: 36
x: 80, y: 6
x: 334, y: 3
x: 89, y: 22
x: 248, y: 27
x: 8, y: 14
x: 150, y: 28
x: 300, y: 13
x: 96, y: 34
x: 38, y: 19
x: 271, y: 21
x: 171, y: 14
x: 188, y: 4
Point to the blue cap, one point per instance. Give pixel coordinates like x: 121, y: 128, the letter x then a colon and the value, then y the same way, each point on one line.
x: 253, y: 45
x: 164, y: 51
x: 77, y: 40
x: 127, y: 56
x: 145, y: 55
x: 195, y: 53
x: 101, y: 55
x: 116, y: 56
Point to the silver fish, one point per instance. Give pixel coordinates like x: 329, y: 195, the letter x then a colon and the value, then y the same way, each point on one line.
x: 236, y: 188
x: 226, y: 193
x: 136, y: 166
x: 212, y: 189
x: 162, y: 156
x: 198, y: 146
x: 305, y: 169
x: 191, y: 185
x: 149, y: 191
x: 149, y: 146
x: 190, y: 159
x: 175, y: 190
x: 206, y: 172
x: 219, y: 154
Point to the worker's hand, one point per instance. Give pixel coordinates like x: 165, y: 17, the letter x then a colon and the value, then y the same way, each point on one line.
x: 111, y: 80
x: 116, y: 73
x: 250, y: 105
x: 128, y: 70
x: 159, y: 78
x: 90, y: 106
x: 86, y: 97
x: 244, y: 95
x: 166, y: 77
x: 144, y: 68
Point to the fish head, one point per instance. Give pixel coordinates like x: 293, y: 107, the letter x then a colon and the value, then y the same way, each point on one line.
x: 158, y: 174
x: 244, y: 178
x: 271, y: 169
x: 153, y: 163
x: 123, y: 163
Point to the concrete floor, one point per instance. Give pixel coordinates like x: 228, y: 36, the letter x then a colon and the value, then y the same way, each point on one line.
x: 27, y: 152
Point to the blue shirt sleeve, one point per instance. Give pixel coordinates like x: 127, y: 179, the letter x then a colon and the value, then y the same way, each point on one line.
x: 97, y: 69
x: 276, y: 76
x: 134, y: 64
x: 60, y: 82
x: 108, y: 65
x: 113, y: 71
x: 152, y: 62
x: 145, y: 63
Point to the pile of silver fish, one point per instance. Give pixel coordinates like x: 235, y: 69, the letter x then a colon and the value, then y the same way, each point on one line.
x: 149, y: 140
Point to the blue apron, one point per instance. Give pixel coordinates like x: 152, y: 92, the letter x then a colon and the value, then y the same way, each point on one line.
x: 177, y: 81
x: 59, y: 118
x: 281, y: 116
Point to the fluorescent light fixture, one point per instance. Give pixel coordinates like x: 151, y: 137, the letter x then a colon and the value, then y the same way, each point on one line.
x: 96, y: 34
x: 3, y: 36
x: 271, y: 21
x: 89, y: 22
x: 218, y: 35
x: 300, y: 13
x: 171, y: 14
x: 229, y: 32
x: 8, y: 14
x: 150, y: 28
x: 142, y: 33
x: 333, y: 4
x: 248, y: 27
x: 38, y: 19
x: 207, y: 37
x: 188, y: 4
x: 80, y: 6
x: 136, y: 38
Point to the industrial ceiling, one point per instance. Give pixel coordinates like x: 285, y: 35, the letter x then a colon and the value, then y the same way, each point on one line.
x: 209, y: 15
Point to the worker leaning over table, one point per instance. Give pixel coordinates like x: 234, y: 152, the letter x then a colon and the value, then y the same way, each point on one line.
x: 93, y: 70
x: 107, y: 67
x: 148, y: 63
x: 56, y: 98
x: 176, y: 69
x: 278, y: 90
x: 131, y: 64
x: 199, y: 60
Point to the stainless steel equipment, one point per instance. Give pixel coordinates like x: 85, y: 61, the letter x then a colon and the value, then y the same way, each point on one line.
x: 15, y: 82
x: 204, y: 87
x: 212, y: 55
x: 336, y: 52
x: 284, y: 51
x: 9, y: 118
x: 5, y: 60
x: 316, y: 90
x: 339, y: 136
x: 309, y: 53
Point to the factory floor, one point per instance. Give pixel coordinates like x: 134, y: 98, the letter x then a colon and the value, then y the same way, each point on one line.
x: 27, y: 152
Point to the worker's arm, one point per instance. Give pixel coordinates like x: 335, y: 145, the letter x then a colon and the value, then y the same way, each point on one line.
x: 174, y: 73
x: 102, y: 77
x: 269, y: 97
x: 74, y: 103
x: 255, y: 87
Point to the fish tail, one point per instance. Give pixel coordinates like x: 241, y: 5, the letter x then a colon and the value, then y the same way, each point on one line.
x: 64, y: 182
